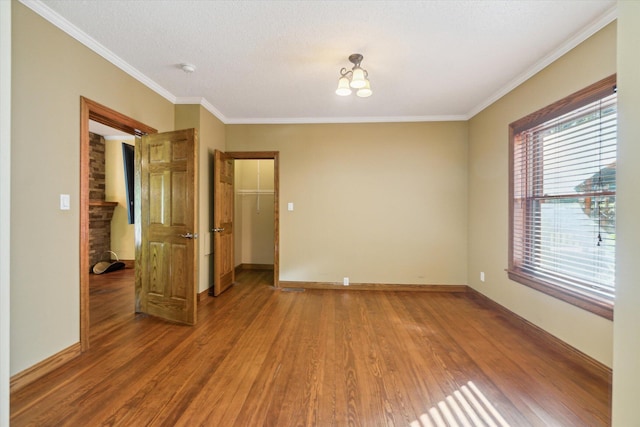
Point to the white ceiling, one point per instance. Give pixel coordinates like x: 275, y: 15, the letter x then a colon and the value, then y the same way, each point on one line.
x: 108, y: 132
x: 279, y: 61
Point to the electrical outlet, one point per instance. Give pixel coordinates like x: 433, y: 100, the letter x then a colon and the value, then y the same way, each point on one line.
x: 482, y: 276
x: 345, y: 281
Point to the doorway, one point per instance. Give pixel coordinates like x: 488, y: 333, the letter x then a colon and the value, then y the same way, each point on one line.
x: 254, y: 214
x: 268, y: 193
x: 92, y: 111
x: 111, y: 228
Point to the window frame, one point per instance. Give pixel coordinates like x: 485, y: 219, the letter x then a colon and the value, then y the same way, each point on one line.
x: 599, y: 306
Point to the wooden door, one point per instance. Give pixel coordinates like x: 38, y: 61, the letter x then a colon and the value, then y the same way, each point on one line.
x: 223, y: 268
x: 166, y: 261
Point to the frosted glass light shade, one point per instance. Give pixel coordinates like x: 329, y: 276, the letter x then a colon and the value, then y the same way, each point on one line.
x: 343, y: 87
x: 365, y: 91
x: 358, y: 80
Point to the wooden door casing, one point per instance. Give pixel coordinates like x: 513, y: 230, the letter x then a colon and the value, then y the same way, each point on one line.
x: 91, y: 110
x: 275, y: 156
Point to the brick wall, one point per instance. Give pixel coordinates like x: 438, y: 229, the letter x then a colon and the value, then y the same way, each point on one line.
x: 96, y: 167
x: 99, y: 213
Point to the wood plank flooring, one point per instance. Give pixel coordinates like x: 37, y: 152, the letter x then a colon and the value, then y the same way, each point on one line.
x: 266, y: 357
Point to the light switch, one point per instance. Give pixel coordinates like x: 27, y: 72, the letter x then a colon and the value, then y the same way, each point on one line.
x: 290, y: 206
x: 65, y: 203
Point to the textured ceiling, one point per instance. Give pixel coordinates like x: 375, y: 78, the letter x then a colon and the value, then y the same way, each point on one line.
x: 279, y: 61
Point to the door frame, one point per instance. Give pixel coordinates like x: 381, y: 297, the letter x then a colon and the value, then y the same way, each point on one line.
x: 275, y: 156
x: 91, y: 110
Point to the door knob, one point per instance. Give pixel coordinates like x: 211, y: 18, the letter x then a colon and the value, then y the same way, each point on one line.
x: 218, y: 230
x: 189, y: 236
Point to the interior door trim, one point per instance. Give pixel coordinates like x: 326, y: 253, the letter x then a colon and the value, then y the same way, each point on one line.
x: 91, y: 110
x: 275, y: 156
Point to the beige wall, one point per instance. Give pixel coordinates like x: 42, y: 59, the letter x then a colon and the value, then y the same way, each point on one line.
x: 488, y: 195
x: 122, y: 233
x: 626, y: 350
x: 50, y: 71
x: 254, y: 212
x: 211, y: 137
x: 378, y: 203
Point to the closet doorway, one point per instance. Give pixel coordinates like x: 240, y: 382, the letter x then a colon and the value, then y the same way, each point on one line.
x: 256, y: 213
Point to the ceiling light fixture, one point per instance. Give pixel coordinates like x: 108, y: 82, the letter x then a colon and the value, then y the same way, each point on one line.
x: 355, y: 78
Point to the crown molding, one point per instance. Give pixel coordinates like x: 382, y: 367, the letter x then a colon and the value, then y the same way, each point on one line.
x: 327, y: 120
x: 605, y: 19
x: 56, y: 19
x: 196, y: 100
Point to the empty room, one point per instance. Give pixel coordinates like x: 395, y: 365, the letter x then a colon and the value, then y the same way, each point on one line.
x: 407, y: 213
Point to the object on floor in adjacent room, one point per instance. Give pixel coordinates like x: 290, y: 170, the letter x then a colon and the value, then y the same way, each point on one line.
x: 108, y: 266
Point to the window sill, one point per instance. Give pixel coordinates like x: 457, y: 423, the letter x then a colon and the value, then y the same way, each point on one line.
x: 590, y: 303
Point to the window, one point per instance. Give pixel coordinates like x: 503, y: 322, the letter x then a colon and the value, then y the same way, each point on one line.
x: 563, y: 198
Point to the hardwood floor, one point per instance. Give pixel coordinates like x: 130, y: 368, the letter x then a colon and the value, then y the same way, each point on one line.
x: 111, y: 301
x: 265, y: 357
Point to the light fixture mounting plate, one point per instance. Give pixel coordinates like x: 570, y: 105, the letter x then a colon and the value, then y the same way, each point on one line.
x: 355, y: 58
x: 188, y: 68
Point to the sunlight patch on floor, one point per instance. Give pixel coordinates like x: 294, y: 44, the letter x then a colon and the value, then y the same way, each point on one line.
x: 468, y: 407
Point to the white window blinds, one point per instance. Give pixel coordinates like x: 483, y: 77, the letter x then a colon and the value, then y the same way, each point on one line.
x: 564, y: 200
